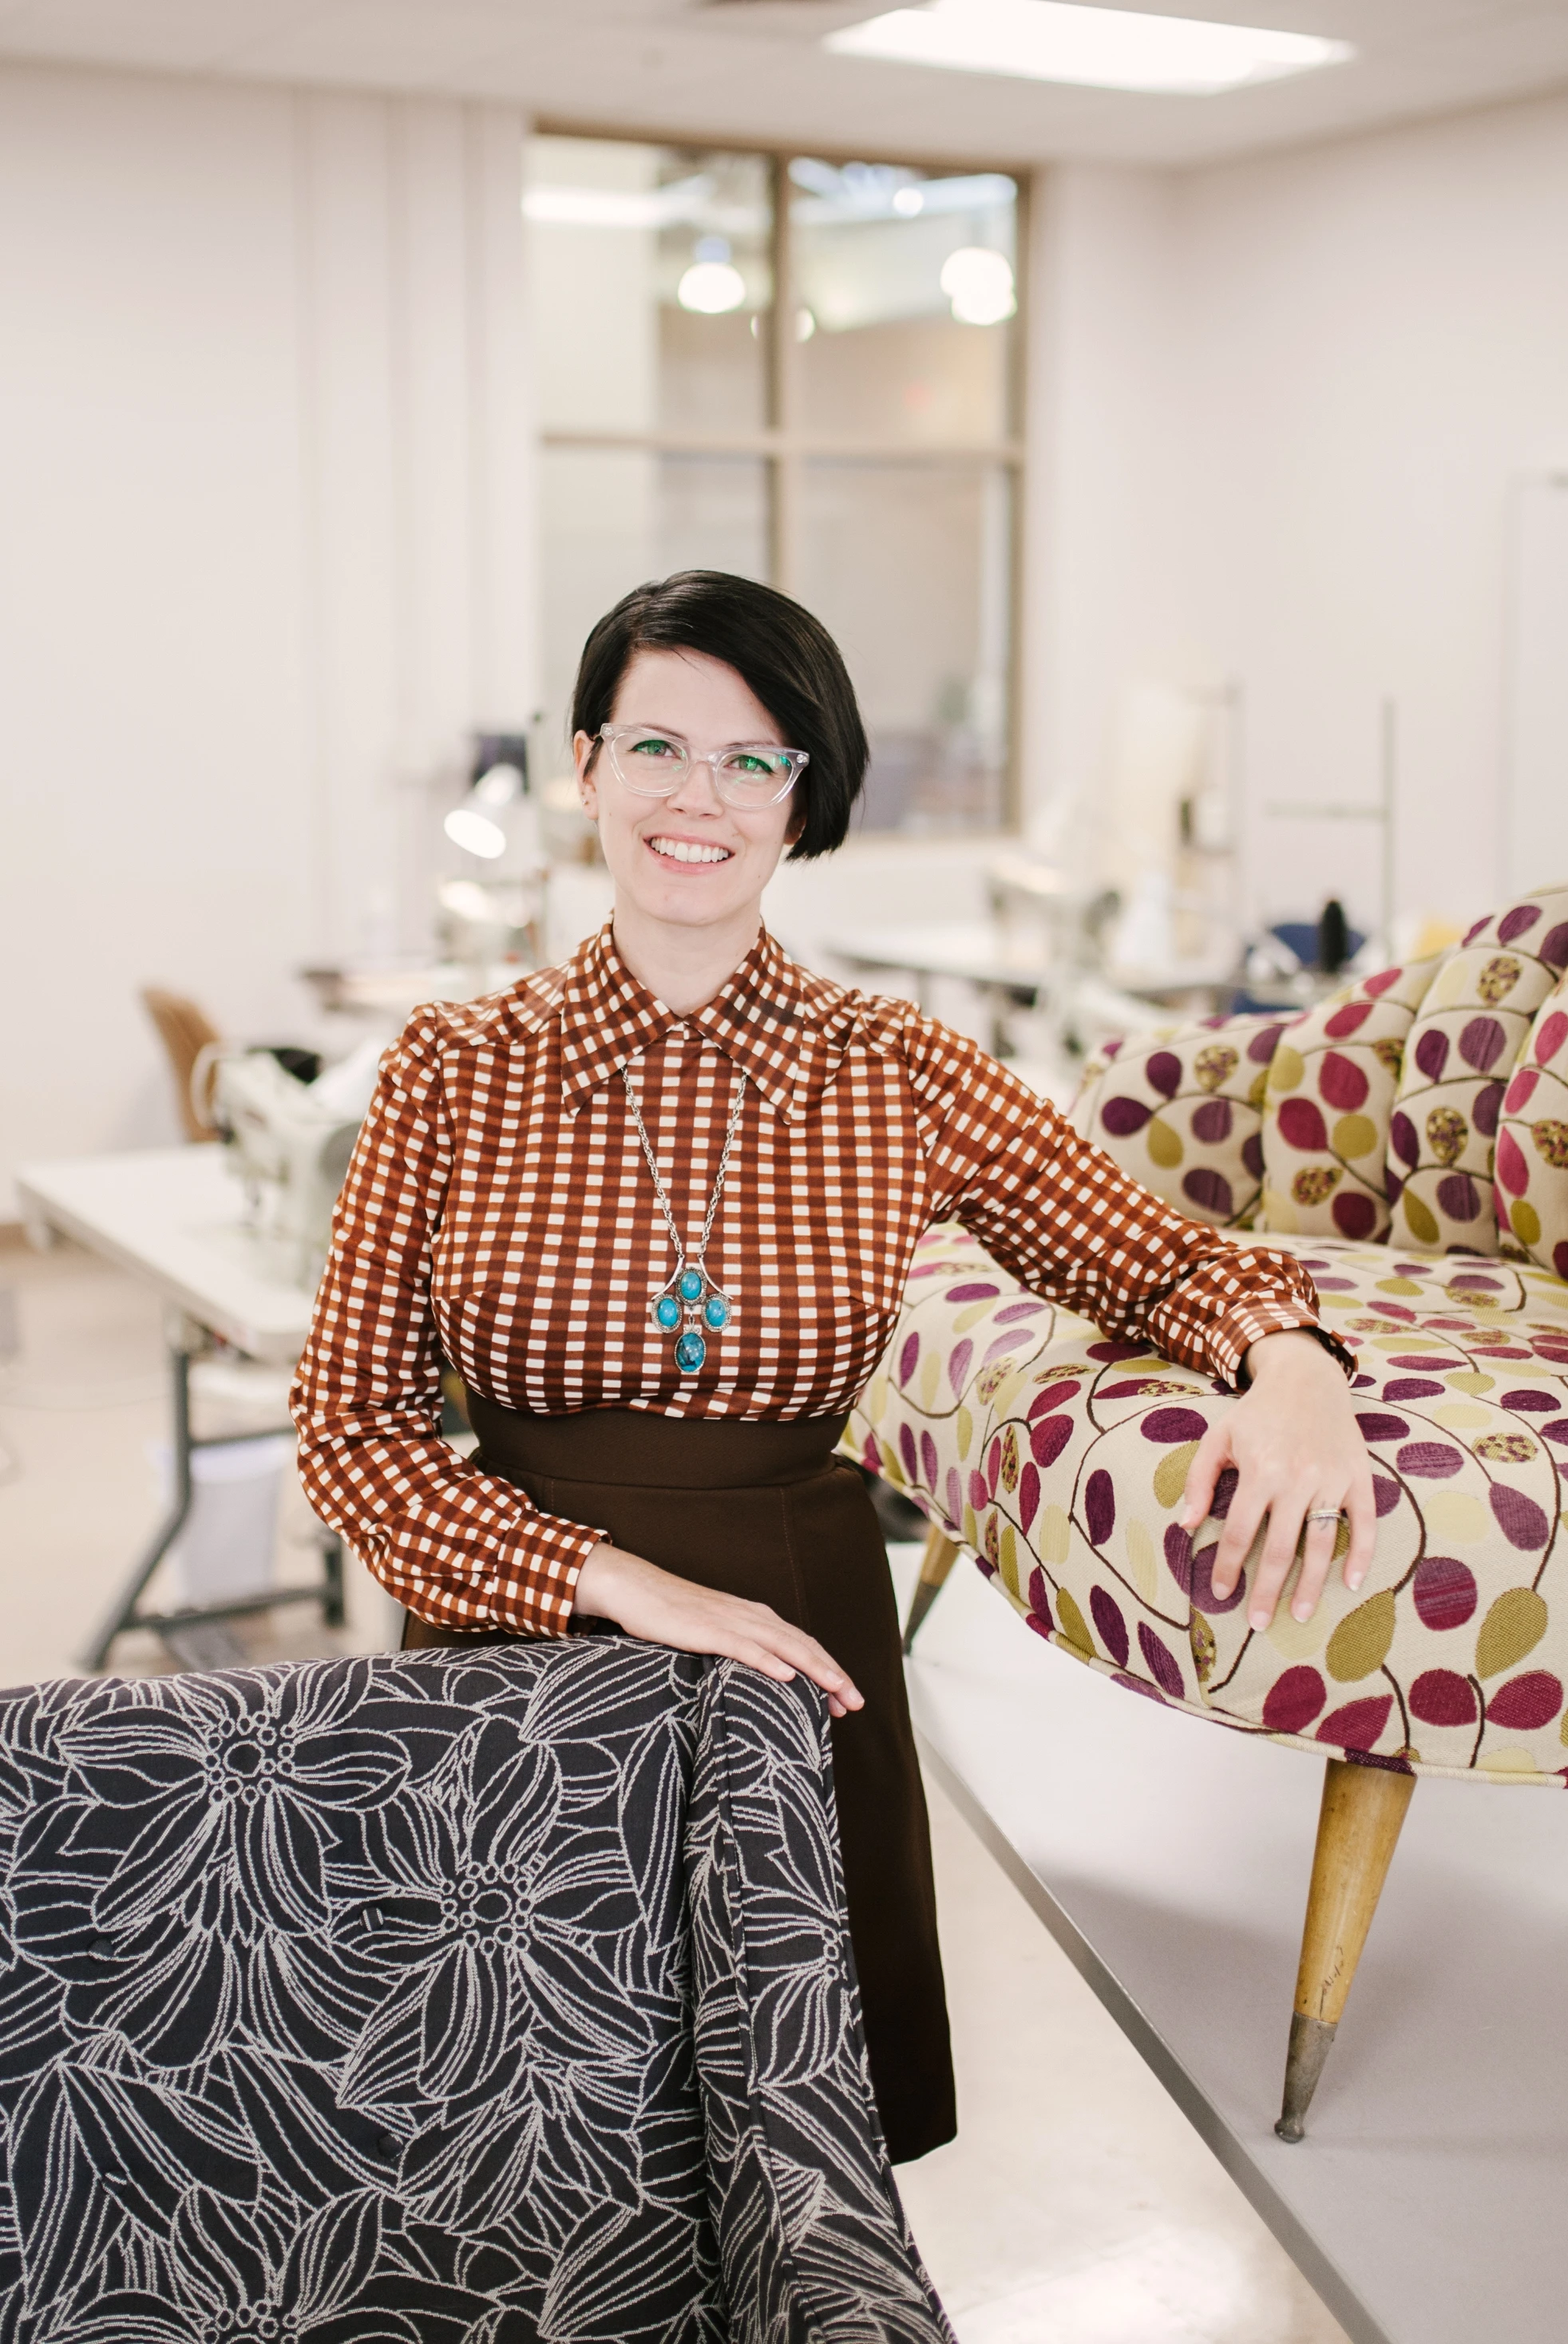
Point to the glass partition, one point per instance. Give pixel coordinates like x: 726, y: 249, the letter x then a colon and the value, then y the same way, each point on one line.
x: 910, y: 565
x: 612, y: 516
x: 653, y: 277
x: 906, y: 292
x: 859, y: 450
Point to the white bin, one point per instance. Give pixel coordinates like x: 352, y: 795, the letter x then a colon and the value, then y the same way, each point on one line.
x: 227, y: 1549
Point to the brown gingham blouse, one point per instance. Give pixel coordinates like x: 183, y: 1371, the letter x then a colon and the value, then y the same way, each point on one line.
x: 499, y: 1209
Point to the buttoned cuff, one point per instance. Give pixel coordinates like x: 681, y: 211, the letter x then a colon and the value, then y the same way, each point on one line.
x: 534, y: 1586
x: 1239, y: 1330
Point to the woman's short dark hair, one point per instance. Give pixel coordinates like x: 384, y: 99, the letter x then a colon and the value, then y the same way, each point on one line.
x: 786, y: 658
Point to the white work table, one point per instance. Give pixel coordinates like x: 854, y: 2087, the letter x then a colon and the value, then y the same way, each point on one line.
x: 980, y: 951
x: 1003, y: 957
x: 175, y: 1217
x: 1169, y: 1858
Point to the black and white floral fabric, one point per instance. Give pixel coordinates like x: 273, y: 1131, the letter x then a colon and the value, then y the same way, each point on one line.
x: 436, y: 1998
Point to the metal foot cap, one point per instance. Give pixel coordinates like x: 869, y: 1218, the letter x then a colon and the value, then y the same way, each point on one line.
x: 1311, y: 2040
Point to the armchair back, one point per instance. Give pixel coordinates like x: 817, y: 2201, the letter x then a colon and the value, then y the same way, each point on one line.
x: 1374, y: 1115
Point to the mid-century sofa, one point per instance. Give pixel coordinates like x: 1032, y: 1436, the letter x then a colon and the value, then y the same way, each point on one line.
x: 1407, y: 1140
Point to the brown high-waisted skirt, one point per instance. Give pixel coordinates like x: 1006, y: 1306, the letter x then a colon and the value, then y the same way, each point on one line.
x: 766, y: 1511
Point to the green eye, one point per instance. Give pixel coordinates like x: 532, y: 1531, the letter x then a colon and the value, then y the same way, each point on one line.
x: 652, y: 746
x: 753, y: 767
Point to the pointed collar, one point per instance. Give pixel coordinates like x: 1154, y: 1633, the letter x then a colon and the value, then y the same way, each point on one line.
x: 781, y: 1025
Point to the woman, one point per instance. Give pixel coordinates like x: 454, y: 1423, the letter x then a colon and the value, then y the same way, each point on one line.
x: 658, y: 1207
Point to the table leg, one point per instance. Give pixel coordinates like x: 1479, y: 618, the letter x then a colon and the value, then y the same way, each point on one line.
x: 1358, y: 1831
x: 122, y: 1613
x: 193, y: 1633
x: 940, y: 1556
x: 332, y: 1608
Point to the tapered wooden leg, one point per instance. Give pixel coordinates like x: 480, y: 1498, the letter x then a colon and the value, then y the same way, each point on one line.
x: 1358, y: 1830
x: 940, y: 1556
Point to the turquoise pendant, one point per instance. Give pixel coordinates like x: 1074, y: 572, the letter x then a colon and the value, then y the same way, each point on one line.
x: 690, y: 1302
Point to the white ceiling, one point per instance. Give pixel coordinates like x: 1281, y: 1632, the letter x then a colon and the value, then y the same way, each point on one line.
x: 753, y: 70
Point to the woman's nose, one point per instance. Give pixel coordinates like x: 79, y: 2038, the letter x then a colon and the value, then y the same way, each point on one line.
x: 697, y: 791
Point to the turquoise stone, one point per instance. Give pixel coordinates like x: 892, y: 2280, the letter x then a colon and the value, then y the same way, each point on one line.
x: 667, y: 1311
x: 691, y: 1286
x: 690, y: 1352
x: 717, y: 1313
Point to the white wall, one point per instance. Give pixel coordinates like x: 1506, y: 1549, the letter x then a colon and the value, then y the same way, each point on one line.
x: 1287, y: 404
x: 266, y: 551
x: 1101, y: 488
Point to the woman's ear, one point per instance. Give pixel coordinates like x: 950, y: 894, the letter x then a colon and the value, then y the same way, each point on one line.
x: 584, y: 751
x: 795, y: 828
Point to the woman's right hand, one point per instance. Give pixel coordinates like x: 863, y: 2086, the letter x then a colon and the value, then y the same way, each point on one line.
x: 660, y: 1609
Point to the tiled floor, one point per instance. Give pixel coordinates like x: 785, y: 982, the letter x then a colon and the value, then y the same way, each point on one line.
x: 1076, y: 2206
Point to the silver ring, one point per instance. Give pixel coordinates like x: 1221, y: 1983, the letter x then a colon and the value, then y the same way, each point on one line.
x: 1327, y: 1514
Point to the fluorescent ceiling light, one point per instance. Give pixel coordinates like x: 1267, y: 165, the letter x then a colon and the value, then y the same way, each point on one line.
x: 1104, y: 48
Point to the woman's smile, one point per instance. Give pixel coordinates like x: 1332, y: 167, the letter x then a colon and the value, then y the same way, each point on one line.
x: 675, y: 846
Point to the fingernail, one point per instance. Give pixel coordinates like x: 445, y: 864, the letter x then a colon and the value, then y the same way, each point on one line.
x: 1257, y: 1618
x: 1354, y: 1580
x: 1300, y: 1611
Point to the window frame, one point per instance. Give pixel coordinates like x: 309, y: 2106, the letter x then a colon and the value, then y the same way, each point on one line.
x: 786, y: 448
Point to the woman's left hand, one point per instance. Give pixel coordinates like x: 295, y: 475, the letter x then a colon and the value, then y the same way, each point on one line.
x: 1298, y: 1449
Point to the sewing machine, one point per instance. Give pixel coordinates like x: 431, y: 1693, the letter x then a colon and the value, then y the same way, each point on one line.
x: 289, y: 1143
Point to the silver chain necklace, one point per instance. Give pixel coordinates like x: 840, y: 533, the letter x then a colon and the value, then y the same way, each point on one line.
x: 691, y: 1294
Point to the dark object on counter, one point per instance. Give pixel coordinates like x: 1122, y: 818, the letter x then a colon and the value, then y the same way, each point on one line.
x: 499, y: 749
x: 1333, y: 937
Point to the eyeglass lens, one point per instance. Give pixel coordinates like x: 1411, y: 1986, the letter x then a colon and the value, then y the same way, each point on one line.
x: 654, y: 765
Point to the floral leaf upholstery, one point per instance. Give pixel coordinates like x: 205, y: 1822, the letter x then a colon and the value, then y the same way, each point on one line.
x: 1182, y: 1112
x: 811, y: 2237
x: 1328, y: 1104
x: 1532, y: 1144
x: 1458, y: 1055
x: 411, y: 1997
x: 1058, y: 1459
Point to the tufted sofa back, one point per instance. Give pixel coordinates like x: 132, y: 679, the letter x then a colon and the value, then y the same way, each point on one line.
x: 1375, y: 1115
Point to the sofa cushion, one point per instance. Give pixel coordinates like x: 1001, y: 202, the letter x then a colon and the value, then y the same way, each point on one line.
x: 1330, y: 1095
x: 408, y: 1996
x: 1532, y: 1144
x: 1182, y: 1112
x: 1059, y: 1460
x: 1458, y: 1056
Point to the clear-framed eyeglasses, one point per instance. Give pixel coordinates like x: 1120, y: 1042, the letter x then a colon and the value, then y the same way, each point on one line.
x: 654, y: 765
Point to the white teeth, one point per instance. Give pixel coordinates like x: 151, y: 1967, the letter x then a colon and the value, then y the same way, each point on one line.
x: 682, y: 851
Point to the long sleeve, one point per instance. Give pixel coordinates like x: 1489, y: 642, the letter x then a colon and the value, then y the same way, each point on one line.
x: 457, y: 1546
x: 1071, y: 1225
